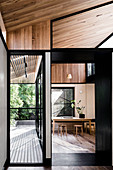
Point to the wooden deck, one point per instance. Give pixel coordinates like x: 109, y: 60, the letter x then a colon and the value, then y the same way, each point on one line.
x: 25, y: 146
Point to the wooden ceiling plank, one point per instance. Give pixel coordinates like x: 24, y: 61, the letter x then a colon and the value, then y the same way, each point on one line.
x: 11, y: 6
x: 41, y: 11
x: 83, y: 30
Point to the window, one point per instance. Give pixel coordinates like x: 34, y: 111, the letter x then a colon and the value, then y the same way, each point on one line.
x: 90, y: 69
x: 61, y: 102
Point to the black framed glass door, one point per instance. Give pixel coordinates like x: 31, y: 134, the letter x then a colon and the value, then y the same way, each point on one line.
x: 26, y: 112
x: 39, y: 104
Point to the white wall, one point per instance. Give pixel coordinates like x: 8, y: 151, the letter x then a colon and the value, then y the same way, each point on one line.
x: 48, y: 105
x: 80, y: 94
x: 3, y: 104
x: 85, y: 93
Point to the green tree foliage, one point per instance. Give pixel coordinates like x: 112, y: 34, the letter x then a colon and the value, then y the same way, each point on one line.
x: 15, y: 100
x: 21, y: 96
x: 27, y: 95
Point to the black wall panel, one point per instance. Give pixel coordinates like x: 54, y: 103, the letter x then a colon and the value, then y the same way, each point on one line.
x: 103, y: 101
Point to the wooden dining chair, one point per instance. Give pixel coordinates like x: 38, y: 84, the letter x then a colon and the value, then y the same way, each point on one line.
x: 62, y: 128
x: 76, y: 127
x: 92, y: 126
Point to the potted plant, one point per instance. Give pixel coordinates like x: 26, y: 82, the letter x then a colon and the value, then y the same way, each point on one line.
x: 80, y: 110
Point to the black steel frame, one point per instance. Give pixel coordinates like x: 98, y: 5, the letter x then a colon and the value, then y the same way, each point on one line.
x: 28, y: 52
x: 37, y: 97
x: 2, y: 38
x: 104, y: 40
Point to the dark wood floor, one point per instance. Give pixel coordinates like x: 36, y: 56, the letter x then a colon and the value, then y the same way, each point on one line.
x: 63, y: 168
x: 76, y: 151
x: 74, y: 159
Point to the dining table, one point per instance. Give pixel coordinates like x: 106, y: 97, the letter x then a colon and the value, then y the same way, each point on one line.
x: 71, y: 119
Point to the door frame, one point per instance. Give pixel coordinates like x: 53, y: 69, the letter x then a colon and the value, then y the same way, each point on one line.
x: 26, y: 52
x: 91, y: 56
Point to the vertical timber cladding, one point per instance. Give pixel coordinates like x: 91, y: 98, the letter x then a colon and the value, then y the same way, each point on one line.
x: 35, y: 37
x: 103, y: 101
x: 59, y: 73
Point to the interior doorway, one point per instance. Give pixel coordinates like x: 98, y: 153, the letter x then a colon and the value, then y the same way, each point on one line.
x: 73, y: 109
x: 90, y: 58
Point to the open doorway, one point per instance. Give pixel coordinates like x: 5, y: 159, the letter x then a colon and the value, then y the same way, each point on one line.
x: 67, y: 139
x: 73, y: 110
x: 26, y: 109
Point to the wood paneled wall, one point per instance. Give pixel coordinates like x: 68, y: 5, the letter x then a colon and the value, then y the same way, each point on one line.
x: 85, y: 30
x: 31, y: 37
x: 59, y: 73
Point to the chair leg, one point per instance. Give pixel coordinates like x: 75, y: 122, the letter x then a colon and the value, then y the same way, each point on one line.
x: 58, y: 130
x: 66, y: 130
x: 94, y: 128
x: 82, y: 130
x: 86, y: 128
x: 76, y: 131
x: 61, y: 130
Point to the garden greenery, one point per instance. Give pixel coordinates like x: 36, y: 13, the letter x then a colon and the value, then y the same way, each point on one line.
x: 22, y: 96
